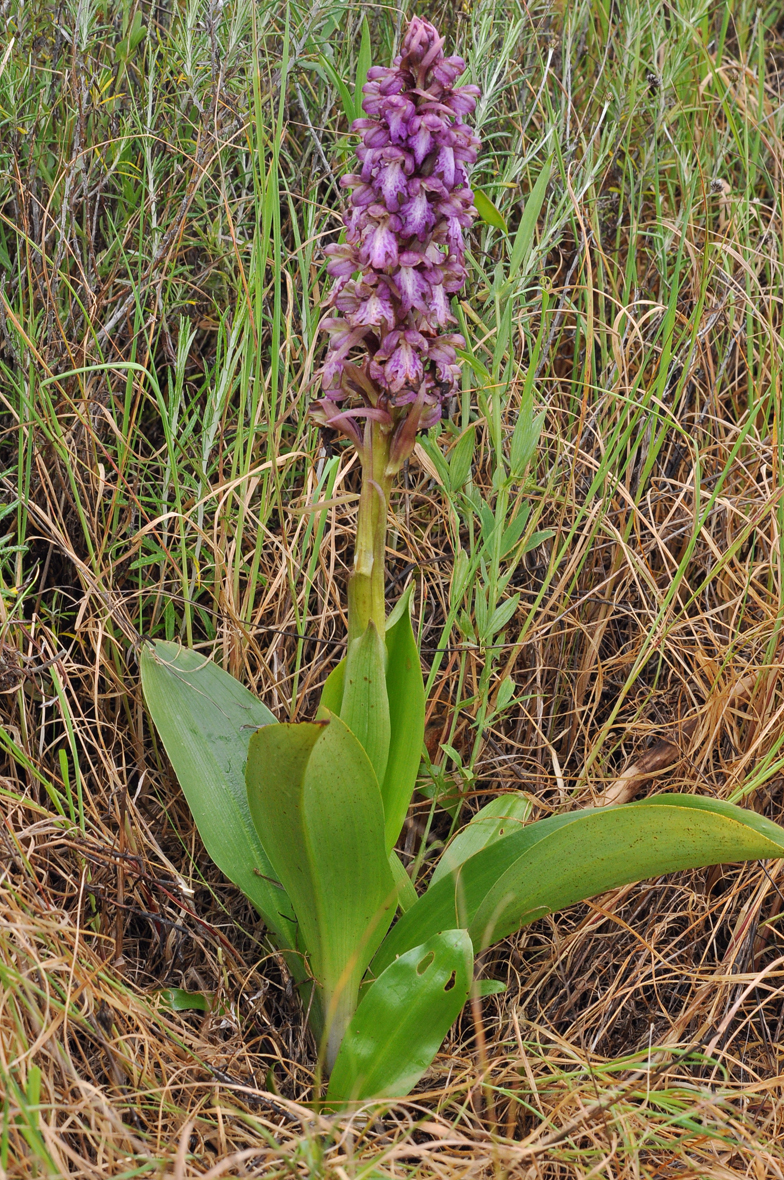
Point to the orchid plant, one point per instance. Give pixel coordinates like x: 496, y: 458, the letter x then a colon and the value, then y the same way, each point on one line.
x: 304, y: 817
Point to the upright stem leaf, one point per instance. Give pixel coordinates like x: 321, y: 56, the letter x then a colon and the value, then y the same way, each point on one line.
x: 315, y: 802
x: 365, y: 705
x: 406, y: 695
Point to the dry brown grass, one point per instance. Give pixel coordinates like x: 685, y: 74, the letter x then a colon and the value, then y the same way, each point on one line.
x: 641, y: 1035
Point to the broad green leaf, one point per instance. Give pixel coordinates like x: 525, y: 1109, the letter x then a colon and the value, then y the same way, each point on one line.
x: 567, y: 858
x: 332, y: 692
x: 406, y: 696
x: 402, y: 1020
x: 182, y: 1001
x: 365, y: 705
x: 615, y: 846
x: 514, y: 531
x: 488, y: 212
x: 506, y: 690
x: 495, y: 820
x: 314, y: 797
x: 525, y: 438
x: 205, y: 718
x: 501, y: 616
x: 524, y: 237
x: 364, y: 62
x: 536, y: 539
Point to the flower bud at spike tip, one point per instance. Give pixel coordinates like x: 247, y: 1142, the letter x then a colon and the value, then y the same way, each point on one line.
x: 391, y: 349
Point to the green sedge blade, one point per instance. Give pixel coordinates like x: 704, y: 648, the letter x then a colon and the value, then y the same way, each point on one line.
x: 205, y: 718
x: 402, y: 1020
x: 521, y: 250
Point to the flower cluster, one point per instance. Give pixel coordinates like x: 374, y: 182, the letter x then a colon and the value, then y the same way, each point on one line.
x: 410, y: 203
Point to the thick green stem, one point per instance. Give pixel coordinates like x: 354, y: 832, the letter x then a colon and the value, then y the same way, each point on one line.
x: 366, y: 586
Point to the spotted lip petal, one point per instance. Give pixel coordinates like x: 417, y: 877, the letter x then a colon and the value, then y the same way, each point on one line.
x: 404, y: 254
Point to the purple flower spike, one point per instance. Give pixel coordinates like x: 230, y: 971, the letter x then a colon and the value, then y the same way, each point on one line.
x: 403, y: 255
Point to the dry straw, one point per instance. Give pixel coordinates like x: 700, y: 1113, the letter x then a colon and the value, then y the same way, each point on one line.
x: 641, y: 1035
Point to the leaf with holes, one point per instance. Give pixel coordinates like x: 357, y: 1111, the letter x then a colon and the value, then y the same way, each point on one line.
x: 402, y: 1020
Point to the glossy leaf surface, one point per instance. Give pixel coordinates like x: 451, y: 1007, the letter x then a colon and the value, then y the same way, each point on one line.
x: 488, y: 211
x: 314, y: 797
x: 205, y: 718
x: 567, y: 858
x: 498, y: 818
x: 402, y: 1020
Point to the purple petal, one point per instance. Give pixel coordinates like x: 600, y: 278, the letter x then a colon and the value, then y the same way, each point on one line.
x: 442, y: 349
x: 393, y: 184
x: 421, y: 142
x: 397, y: 111
x: 414, y: 289
x: 388, y: 345
x: 462, y: 100
x: 379, y: 247
x: 390, y: 85
x: 375, y: 309
x: 343, y: 260
x: 445, y: 165
x: 363, y: 195
x: 448, y: 70
x: 417, y: 215
x: 404, y: 367
x: 439, y: 305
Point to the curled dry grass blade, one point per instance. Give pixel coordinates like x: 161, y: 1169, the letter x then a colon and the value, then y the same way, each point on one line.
x: 166, y: 179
